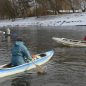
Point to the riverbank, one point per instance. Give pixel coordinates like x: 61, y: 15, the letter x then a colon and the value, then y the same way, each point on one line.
x: 51, y: 20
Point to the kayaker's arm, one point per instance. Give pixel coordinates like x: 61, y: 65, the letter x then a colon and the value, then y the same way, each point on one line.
x: 27, y: 53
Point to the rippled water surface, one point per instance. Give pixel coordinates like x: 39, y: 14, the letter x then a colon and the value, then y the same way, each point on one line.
x: 66, y: 68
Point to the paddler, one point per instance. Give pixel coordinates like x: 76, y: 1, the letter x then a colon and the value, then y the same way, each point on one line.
x: 20, y: 53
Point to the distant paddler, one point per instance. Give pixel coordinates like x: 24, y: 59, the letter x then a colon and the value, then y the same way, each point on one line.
x: 8, y: 32
x: 2, y: 32
x: 2, y: 35
x: 6, y: 35
x: 85, y: 38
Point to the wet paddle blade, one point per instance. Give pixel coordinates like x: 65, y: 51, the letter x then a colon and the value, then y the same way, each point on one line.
x: 40, y: 69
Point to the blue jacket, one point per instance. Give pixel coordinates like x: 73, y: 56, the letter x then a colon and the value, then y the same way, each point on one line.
x: 20, y: 53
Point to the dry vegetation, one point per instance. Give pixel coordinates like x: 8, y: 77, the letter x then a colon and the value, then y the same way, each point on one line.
x: 12, y: 9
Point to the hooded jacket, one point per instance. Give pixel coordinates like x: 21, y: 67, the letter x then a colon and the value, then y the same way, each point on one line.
x: 20, y: 53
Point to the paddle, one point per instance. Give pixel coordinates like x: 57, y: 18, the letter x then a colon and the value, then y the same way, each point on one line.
x: 40, y: 69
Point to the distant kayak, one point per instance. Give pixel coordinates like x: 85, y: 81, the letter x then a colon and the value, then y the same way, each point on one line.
x: 70, y: 42
x: 39, y: 59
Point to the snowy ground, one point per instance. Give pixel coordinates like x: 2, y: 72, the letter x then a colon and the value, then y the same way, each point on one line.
x: 58, y: 20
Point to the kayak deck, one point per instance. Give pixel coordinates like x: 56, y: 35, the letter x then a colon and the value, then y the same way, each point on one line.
x: 34, y: 58
x: 70, y: 42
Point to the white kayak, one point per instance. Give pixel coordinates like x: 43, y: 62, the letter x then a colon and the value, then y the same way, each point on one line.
x: 38, y: 60
x: 70, y: 42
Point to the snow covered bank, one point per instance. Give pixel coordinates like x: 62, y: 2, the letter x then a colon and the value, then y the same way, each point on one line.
x: 58, y: 20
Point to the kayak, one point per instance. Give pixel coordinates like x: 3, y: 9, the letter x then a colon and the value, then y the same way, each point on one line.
x: 70, y: 42
x: 39, y: 59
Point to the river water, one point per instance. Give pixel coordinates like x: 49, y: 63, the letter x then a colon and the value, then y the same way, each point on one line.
x: 66, y: 68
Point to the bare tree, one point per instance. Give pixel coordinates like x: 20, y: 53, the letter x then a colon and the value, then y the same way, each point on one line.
x: 56, y: 5
x: 41, y: 5
x: 83, y: 5
x: 6, y: 10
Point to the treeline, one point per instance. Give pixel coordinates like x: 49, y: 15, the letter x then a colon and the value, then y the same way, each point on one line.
x: 12, y: 9
x: 6, y: 9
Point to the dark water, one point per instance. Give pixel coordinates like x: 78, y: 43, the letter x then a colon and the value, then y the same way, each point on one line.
x: 66, y: 68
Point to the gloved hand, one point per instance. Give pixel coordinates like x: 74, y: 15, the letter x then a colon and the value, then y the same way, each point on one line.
x: 30, y: 59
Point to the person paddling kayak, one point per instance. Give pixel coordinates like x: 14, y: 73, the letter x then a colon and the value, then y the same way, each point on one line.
x: 20, y: 53
x: 85, y: 38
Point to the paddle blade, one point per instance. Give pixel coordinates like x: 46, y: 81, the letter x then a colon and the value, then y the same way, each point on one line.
x: 40, y: 69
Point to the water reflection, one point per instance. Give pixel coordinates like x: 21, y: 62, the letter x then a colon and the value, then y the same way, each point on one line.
x: 8, y: 40
x: 21, y: 81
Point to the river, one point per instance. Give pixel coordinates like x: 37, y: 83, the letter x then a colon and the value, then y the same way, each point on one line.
x: 66, y: 68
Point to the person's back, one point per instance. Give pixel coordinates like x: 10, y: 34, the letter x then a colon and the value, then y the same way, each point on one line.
x: 19, y: 53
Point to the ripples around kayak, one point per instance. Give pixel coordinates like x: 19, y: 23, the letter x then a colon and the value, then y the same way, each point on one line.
x: 66, y: 68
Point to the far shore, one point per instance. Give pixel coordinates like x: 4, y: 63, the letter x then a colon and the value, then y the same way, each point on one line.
x: 78, y: 19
